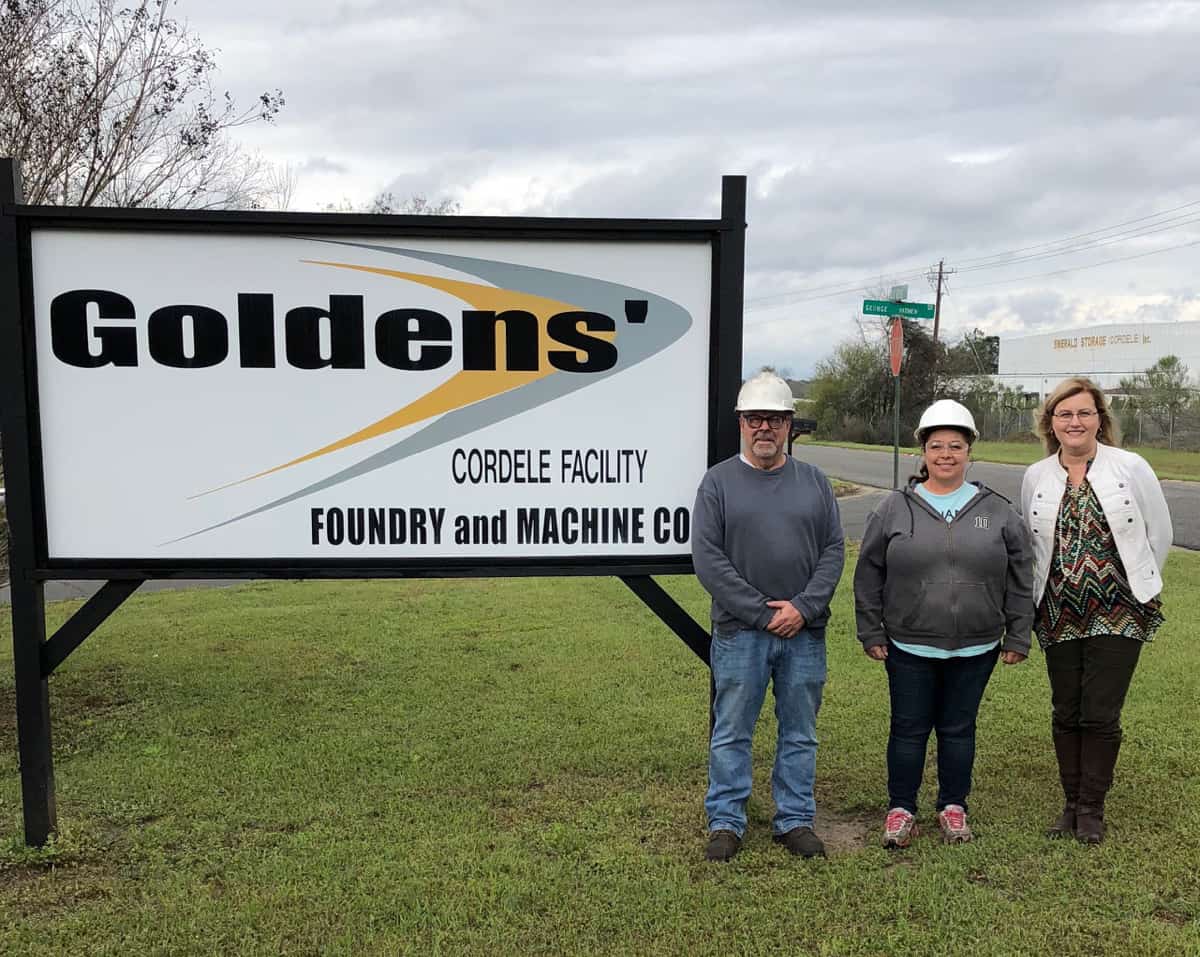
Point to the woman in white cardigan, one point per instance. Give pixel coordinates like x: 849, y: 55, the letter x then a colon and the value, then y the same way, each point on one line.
x: 1101, y: 533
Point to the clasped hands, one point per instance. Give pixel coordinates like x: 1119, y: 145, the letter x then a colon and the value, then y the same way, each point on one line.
x: 786, y: 622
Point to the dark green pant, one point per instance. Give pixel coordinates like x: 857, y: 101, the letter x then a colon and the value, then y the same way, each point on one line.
x: 1089, y: 678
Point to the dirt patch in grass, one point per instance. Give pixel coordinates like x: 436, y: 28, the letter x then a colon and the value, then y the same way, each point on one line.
x: 1172, y: 917
x: 77, y: 704
x: 842, y: 833
x: 33, y: 891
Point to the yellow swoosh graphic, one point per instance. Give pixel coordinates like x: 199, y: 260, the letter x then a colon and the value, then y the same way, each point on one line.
x: 464, y: 387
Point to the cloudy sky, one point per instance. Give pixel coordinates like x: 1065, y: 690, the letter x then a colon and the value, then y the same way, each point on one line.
x: 878, y: 138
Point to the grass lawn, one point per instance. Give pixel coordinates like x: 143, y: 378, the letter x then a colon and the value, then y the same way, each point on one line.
x: 1167, y: 463
x: 518, y: 767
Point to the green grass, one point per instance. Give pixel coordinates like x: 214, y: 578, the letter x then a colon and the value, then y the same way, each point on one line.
x: 3, y: 545
x: 1167, y: 463
x: 518, y: 767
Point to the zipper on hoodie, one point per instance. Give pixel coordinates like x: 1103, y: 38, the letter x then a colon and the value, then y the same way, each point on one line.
x: 979, y: 495
x: 953, y: 583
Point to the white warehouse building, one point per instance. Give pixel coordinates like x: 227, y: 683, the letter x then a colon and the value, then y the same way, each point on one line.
x: 1105, y: 354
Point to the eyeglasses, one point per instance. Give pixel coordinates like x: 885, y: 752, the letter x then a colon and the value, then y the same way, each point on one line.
x: 1084, y: 416
x: 954, y: 448
x: 755, y: 421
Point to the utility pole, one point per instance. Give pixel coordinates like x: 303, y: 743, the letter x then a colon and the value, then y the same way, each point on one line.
x: 937, y: 302
x: 938, y: 280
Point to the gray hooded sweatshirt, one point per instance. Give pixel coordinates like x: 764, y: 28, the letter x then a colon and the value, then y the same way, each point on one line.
x: 950, y: 585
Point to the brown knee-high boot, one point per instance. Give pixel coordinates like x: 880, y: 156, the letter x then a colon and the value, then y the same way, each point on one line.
x: 1098, y: 758
x: 1066, y: 749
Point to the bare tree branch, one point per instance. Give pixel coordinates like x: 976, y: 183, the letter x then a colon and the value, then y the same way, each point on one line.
x: 111, y: 105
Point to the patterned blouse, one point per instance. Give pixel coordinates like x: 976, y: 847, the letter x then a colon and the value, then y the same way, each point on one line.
x: 1087, y: 593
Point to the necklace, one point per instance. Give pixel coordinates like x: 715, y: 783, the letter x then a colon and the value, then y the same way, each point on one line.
x: 1070, y: 545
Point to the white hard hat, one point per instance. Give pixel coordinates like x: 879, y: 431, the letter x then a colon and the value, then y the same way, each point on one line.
x: 946, y: 414
x: 765, y: 392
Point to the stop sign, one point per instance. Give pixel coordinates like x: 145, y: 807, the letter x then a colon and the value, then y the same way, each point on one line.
x: 896, y: 352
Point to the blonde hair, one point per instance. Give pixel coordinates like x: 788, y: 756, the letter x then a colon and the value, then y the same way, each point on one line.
x: 1110, y: 431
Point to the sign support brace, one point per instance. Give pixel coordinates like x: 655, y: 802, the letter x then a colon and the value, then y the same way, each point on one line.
x: 671, y: 614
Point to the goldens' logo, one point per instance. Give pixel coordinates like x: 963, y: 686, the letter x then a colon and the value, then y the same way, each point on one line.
x: 562, y: 333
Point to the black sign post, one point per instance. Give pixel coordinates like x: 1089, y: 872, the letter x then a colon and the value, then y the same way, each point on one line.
x: 28, y: 606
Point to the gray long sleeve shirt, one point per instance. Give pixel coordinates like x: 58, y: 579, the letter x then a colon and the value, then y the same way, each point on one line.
x: 766, y: 535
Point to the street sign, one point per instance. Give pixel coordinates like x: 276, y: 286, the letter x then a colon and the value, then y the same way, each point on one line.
x: 909, y: 310
x: 899, y: 293
x: 896, y: 350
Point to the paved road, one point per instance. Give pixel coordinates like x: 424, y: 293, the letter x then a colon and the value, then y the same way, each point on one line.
x: 59, y: 591
x: 875, y: 468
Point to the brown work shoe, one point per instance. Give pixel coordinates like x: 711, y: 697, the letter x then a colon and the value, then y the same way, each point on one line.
x: 722, y: 845
x: 801, y: 841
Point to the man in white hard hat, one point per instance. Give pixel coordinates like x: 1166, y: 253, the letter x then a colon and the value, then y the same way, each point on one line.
x: 767, y: 545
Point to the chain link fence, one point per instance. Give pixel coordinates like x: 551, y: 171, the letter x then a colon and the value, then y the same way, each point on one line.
x: 1009, y: 415
x: 1141, y: 426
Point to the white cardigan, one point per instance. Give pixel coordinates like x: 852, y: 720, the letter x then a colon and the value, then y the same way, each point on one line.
x: 1133, y: 504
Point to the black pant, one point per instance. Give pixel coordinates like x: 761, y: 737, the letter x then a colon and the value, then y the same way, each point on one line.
x: 1089, y: 678
x: 928, y: 694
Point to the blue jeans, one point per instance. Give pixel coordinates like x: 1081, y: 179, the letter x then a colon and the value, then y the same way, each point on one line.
x: 928, y: 694
x: 742, y: 665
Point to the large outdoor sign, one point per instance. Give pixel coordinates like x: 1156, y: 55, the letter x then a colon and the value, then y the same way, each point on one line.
x: 223, y: 396
x: 317, y: 394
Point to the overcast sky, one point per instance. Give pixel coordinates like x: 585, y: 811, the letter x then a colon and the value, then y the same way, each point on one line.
x: 878, y: 138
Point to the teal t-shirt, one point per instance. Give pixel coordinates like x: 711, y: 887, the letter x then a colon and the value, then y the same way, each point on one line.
x: 951, y: 503
x: 948, y: 506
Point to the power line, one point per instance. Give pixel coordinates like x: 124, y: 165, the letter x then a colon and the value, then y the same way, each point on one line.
x: 857, y: 287
x: 832, y: 290
x: 1091, y: 244
x: 1092, y: 232
x: 1105, y: 262
x: 842, y: 287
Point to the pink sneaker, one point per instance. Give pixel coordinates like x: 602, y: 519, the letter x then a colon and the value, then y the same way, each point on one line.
x: 952, y: 819
x: 899, y: 828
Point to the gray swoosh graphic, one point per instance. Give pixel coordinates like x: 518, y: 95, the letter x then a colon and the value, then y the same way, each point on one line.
x: 666, y: 322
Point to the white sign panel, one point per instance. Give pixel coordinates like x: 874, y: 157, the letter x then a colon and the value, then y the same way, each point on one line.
x: 221, y: 396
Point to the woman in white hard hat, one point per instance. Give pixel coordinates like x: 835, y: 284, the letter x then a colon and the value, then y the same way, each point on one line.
x: 942, y: 588
x: 1101, y: 533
